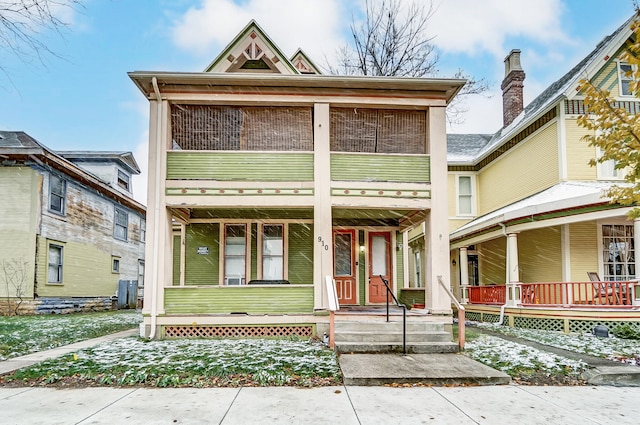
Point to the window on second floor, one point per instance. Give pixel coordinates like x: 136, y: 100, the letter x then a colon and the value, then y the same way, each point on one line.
x: 124, y: 180
x: 625, y: 75
x: 465, y: 202
x: 607, y: 170
x: 120, y: 225
x: 143, y: 230
x: 57, y: 194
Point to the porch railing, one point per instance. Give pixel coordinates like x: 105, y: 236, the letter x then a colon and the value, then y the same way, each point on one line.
x: 576, y: 294
x: 490, y: 294
x: 404, y: 314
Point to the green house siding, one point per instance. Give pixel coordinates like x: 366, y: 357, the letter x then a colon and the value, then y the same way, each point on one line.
x: 232, y: 166
x: 283, y: 299
x: 380, y: 168
x: 300, y: 254
x: 202, y: 269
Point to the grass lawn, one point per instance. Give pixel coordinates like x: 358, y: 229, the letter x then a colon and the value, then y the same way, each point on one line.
x: 20, y: 335
x: 196, y: 363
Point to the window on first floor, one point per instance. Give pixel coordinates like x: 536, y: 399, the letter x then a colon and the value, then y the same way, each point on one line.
x: 418, y: 267
x: 115, y: 264
x: 618, y: 252
x: 272, y: 251
x: 55, y: 264
x: 235, y: 254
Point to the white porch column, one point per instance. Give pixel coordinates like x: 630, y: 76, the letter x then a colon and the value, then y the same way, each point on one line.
x: 464, y: 275
x: 437, y: 235
x: 513, y: 271
x: 322, y: 219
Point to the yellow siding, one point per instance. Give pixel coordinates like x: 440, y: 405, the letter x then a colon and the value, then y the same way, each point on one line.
x: 532, y: 166
x: 451, y: 187
x: 20, y: 188
x: 454, y: 224
x: 540, y: 255
x: 86, y: 271
x: 492, y: 262
x: 584, y: 250
x: 578, y: 153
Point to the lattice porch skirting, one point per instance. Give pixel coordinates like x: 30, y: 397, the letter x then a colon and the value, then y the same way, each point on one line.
x: 273, y: 331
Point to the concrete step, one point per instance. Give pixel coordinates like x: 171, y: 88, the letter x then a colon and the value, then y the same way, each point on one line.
x: 380, y: 347
x: 429, y: 369
x: 382, y: 326
x: 392, y: 337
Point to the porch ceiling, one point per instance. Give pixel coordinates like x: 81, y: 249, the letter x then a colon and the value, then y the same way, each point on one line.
x: 252, y: 213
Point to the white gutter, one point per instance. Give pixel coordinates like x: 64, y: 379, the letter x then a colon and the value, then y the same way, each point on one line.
x: 156, y: 211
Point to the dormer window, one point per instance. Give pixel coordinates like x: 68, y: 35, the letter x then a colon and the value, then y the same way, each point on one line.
x: 625, y: 73
x: 123, y: 180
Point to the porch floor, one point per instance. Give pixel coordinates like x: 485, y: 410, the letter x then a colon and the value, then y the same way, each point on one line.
x: 428, y: 369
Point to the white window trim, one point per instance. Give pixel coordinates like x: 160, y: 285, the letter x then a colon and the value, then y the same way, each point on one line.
x: 600, y: 167
x: 61, y: 266
x: 285, y: 251
x: 473, y: 195
x: 600, y: 241
x: 618, y: 64
x: 247, y: 251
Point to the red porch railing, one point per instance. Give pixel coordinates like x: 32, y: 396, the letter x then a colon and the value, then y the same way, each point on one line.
x: 490, y: 294
x: 578, y: 294
x: 600, y: 294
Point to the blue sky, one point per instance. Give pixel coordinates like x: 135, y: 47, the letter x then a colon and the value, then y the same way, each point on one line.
x: 84, y: 99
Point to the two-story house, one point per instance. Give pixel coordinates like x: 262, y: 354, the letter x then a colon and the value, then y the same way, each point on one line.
x: 71, y: 230
x: 265, y: 178
x: 530, y: 225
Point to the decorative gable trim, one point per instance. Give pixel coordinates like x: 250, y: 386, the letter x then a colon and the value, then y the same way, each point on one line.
x: 303, y: 64
x: 252, y: 51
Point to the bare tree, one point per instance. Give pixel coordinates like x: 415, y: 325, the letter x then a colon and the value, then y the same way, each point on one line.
x: 394, y: 41
x: 14, y: 274
x: 23, y: 24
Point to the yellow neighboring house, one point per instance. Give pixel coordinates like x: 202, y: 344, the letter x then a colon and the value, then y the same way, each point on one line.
x: 72, y: 235
x: 530, y: 229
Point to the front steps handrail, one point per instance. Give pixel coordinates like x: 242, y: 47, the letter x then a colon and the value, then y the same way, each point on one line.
x: 460, y: 313
x: 404, y: 314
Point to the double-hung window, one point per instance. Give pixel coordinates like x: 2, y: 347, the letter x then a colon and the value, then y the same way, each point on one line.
x: 120, y: 224
x: 272, y: 251
x: 123, y: 180
x: 625, y: 76
x: 465, y: 195
x: 618, y: 252
x: 54, y: 264
x: 235, y: 254
x: 57, y: 194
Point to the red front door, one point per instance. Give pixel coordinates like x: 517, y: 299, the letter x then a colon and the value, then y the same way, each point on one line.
x: 379, y: 266
x: 344, y: 267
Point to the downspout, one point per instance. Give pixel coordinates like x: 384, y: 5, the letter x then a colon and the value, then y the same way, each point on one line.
x: 502, y: 307
x: 156, y: 209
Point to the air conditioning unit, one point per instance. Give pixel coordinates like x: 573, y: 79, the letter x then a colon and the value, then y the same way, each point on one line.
x: 233, y: 281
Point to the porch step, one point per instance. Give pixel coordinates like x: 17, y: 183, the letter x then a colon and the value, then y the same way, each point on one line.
x: 385, y: 337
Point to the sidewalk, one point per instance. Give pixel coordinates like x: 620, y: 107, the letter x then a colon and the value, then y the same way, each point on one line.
x: 507, y: 404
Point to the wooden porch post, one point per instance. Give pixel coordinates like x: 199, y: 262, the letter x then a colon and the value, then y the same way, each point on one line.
x: 513, y: 271
x: 322, y: 219
x: 464, y: 275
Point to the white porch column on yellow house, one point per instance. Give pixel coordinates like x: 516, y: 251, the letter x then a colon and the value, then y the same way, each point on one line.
x: 513, y: 270
x: 636, y: 245
x: 437, y: 225
x: 464, y: 275
x: 159, y: 241
x: 323, y: 238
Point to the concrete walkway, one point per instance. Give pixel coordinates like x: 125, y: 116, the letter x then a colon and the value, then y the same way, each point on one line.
x: 346, y: 405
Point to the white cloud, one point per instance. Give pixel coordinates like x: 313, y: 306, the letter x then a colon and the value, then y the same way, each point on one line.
x: 313, y: 25
x: 471, y: 26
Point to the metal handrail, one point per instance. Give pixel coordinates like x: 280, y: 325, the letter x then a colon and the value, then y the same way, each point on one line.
x: 404, y: 314
x: 461, y: 317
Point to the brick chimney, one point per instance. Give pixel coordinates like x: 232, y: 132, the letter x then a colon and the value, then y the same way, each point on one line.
x: 512, y: 85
